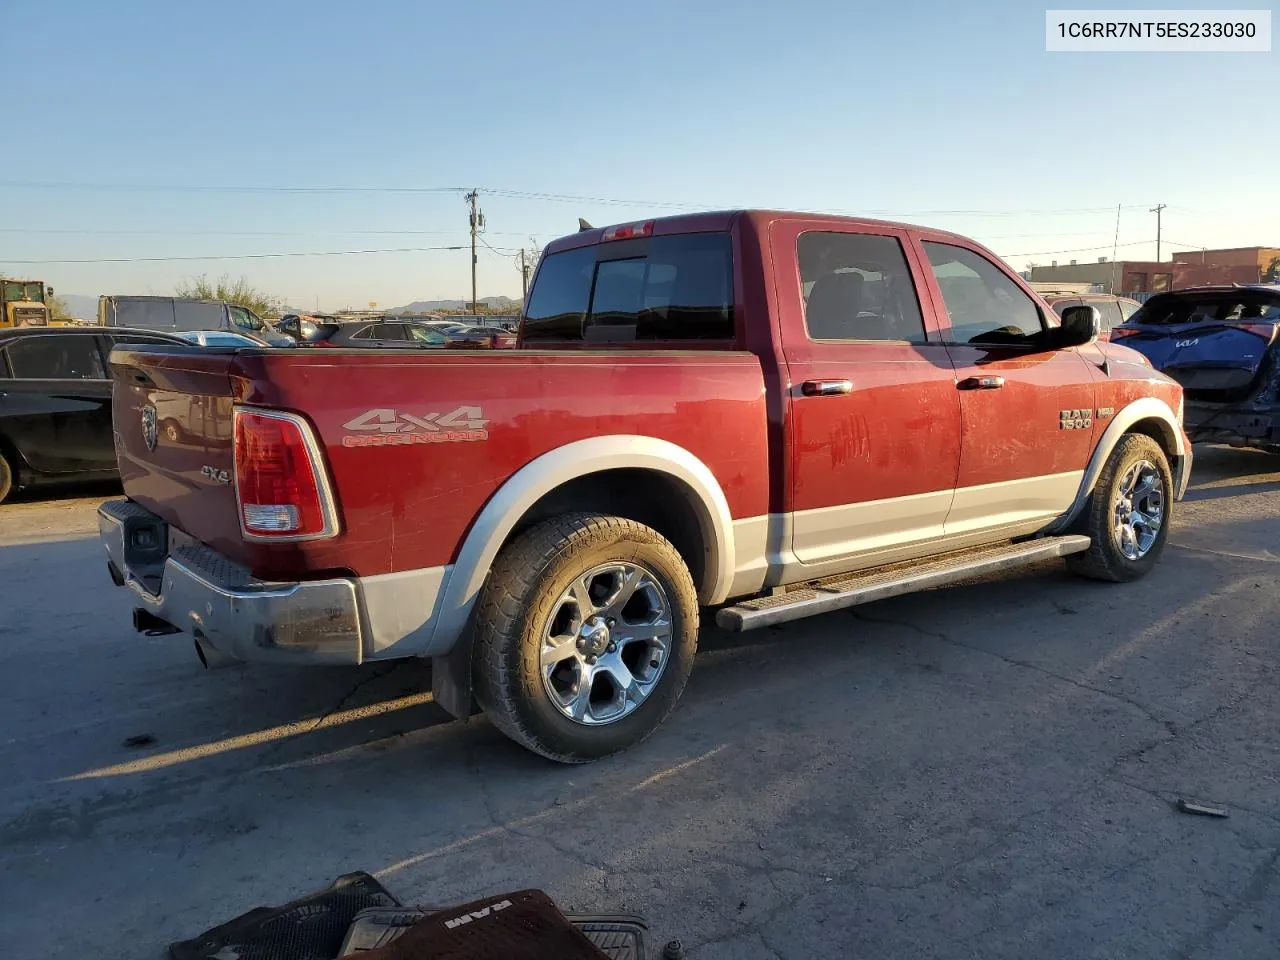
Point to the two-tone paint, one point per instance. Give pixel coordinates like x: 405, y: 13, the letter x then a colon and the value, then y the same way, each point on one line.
x: 781, y: 479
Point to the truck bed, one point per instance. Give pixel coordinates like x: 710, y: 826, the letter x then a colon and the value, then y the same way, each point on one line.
x: 415, y: 443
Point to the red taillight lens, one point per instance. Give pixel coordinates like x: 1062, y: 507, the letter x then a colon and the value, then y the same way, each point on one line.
x: 278, y: 481
x: 1267, y: 331
x: 628, y: 231
x: 1119, y: 332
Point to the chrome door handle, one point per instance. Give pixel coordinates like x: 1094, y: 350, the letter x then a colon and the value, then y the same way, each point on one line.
x: 980, y: 383
x: 826, y: 388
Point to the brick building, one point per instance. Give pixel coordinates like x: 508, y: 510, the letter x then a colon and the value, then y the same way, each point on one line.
x: 1188, y: 268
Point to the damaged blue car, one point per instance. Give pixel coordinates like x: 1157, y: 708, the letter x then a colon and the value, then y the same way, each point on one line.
x: 1220, y: 343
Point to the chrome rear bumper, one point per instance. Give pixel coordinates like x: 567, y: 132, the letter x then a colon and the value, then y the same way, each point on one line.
x: 198, y: 591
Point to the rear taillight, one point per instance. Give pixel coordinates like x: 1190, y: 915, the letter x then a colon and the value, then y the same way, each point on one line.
x: 1118, y: 333
x: 282, y: 491
x: 1267, y: 331
x: 628, y: 231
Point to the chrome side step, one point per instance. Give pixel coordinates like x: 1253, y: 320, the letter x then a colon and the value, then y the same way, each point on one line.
x: 849, y: 590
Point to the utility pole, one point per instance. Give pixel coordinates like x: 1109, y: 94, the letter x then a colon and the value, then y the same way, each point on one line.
x: 524, y: 278
x: 1156, y: 210
x: 477, y: 224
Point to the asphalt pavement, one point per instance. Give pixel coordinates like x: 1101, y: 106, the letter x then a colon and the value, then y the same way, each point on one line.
x: 989, y: 770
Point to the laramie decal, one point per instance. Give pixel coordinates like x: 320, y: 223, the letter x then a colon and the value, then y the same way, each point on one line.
x: 385, y: 427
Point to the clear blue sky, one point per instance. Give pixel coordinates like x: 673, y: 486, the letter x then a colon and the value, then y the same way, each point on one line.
x: 915, y: 110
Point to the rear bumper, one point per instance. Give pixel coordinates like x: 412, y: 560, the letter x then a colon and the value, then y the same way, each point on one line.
x: 231, y: 614
x: 1243, y: 424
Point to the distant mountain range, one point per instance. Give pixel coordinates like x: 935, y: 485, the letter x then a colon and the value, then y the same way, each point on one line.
x: 434, y: 306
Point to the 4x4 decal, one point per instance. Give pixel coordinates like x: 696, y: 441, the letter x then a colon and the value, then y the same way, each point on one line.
x: 385, y: 427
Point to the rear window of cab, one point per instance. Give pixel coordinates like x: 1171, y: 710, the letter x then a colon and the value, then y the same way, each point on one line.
x: 649, y: 289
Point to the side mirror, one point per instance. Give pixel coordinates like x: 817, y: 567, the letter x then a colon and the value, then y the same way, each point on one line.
x: 1080, y: 325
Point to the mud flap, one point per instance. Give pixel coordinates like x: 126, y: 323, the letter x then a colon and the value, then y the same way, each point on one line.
x: 451, y: 679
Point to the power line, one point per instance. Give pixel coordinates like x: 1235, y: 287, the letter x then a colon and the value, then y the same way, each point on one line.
x: 243, y: 256
x: 214, y: 188
x: 251, y: 233
x: 511, y: 194
x: 1045, y: 253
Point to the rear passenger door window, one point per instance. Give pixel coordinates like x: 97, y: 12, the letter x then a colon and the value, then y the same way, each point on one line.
x: 985, y: 306
x: 858, y: 287
x: 56, y: 358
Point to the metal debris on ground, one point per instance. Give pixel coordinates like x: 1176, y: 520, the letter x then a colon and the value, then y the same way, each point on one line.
x: 1199, y: 809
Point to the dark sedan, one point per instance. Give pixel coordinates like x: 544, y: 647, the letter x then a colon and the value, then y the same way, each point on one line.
x: 55, y: 403
x: 331, y: 332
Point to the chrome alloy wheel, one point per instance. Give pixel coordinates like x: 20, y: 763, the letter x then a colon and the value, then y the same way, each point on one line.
x: 1138, y: 510
x: 606, y: 643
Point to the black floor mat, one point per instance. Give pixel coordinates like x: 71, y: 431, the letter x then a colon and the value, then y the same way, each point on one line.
x: 309, y: 928
x: 619, y: 938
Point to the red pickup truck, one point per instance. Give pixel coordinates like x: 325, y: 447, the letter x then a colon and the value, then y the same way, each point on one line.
x: 770, y: 414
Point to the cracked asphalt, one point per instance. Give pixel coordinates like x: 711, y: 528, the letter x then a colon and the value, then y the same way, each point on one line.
x: 988, y: 770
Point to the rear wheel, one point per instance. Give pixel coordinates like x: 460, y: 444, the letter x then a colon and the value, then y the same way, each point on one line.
x: 1128, y: 514
x: 585, y: 636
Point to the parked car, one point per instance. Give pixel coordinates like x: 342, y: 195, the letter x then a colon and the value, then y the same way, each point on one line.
x: 388, y: 333
x: 177, y: 314
x: 307, y: 328
x: 1114, y: 310
x: 227, y: 338
x: 55, y: 404
x: 774, y: 415
x: 383, y: 333
x: 496, y: 338
x: 1219, y: 342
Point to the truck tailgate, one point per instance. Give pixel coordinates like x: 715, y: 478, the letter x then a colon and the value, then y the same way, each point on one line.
x: 172, y: 414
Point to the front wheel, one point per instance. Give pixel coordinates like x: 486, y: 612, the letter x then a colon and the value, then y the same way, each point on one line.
x: 6, y: 478
x: 1128, y: 514
x: 585, y: 635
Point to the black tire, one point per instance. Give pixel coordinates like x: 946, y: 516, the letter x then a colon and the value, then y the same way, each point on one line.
x: 1105, y: 559
x: 525, y: 589
x: 6, y: 478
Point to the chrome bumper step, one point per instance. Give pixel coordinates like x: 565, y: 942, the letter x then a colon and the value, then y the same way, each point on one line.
x: 849, y: 590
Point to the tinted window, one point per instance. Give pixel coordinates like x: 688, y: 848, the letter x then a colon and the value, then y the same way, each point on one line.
x: 1208, y: 308
x: 425, y: 335
x: 858, y: 287
x: 56, y: 358
x: 665, y: 288
x: 985, y: 306
x: 244, y: 319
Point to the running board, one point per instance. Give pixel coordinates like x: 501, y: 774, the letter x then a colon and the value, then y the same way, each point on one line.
x: 849, y: 590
